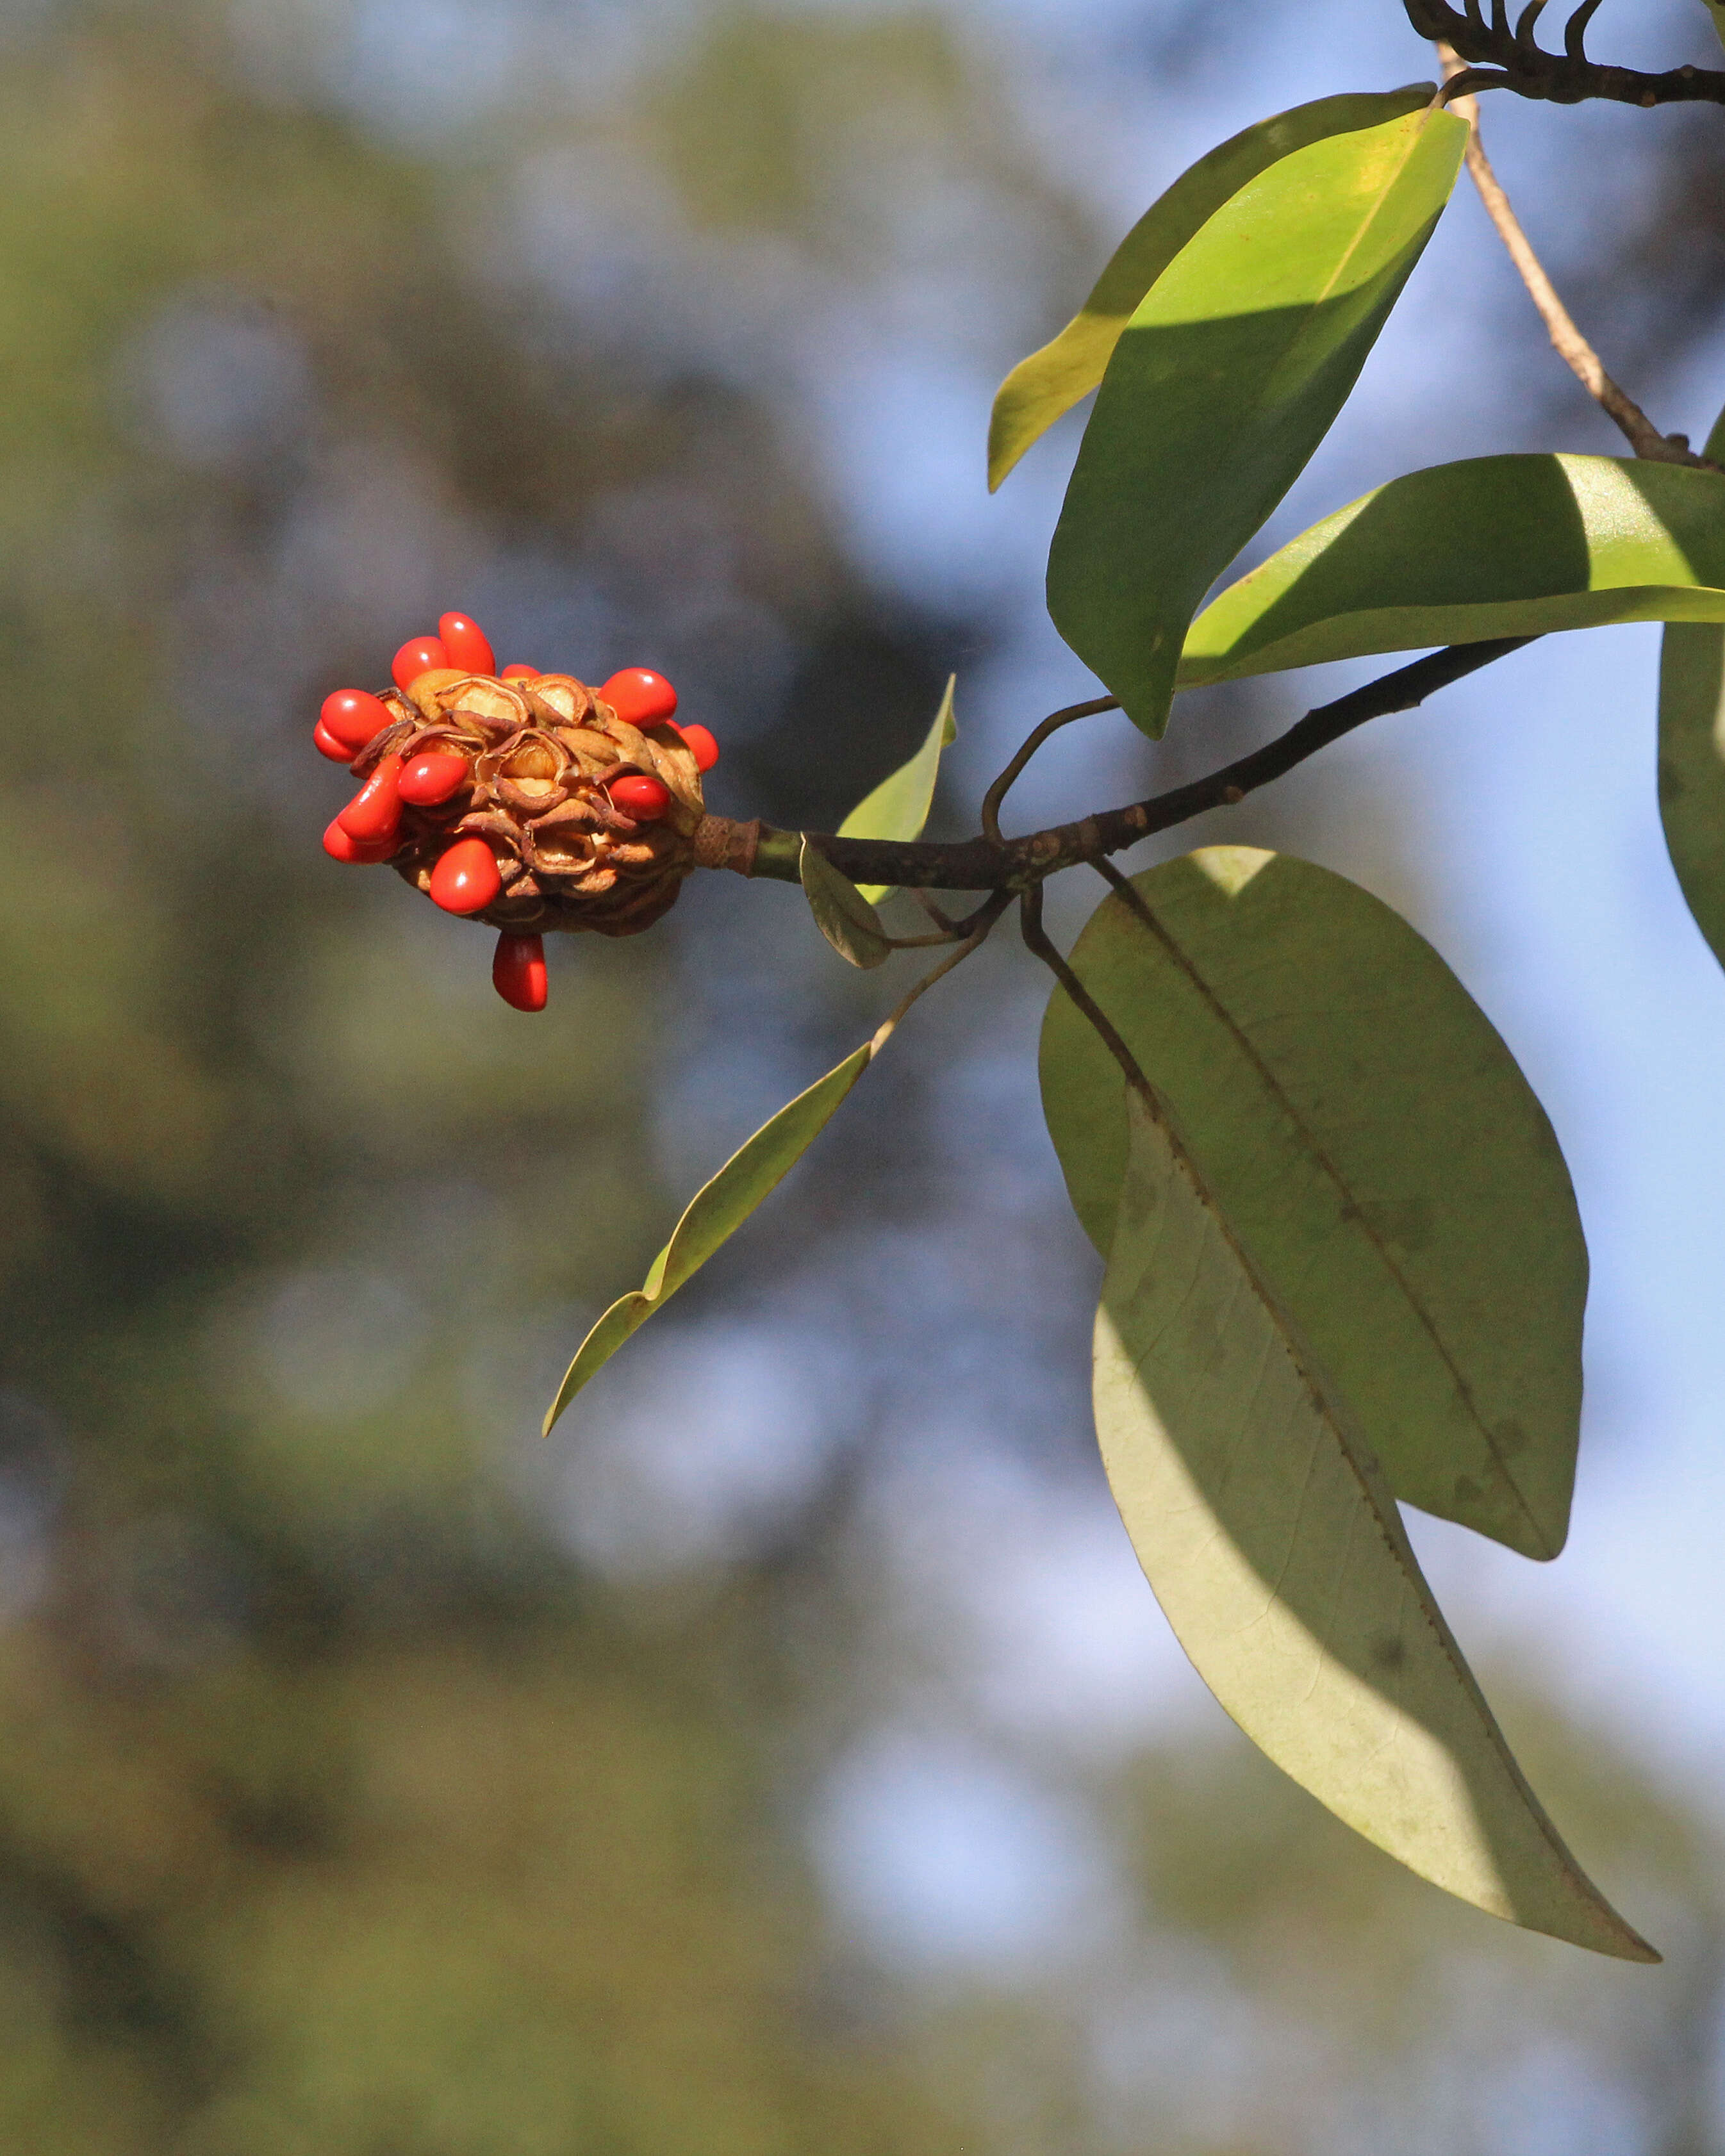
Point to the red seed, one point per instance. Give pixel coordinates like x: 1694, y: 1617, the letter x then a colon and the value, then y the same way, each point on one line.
x: 430, y: 779
x: 326, y: 745
x: 518, y: 971
x: 340, y: 847
x: 645, y: 800
x: 521, y: 673
x: 639, y: 695
x: 418, y: 658
x: 374, y: 813
x: 468, y: 645
x: 702, y: 746
x: 466, y: 878
x: 353, y: 717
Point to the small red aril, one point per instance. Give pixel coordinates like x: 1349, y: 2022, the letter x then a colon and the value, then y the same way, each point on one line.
x: 374, y: 813
x: 466, y: 878
x: 520, y: 673
x: 340, y: 847
x: 353, y: 715
x: 417, y: 658
x: 645, y: 800
x: 701, y: 747
x: 326, y: 745
x: 639, y: 695
x: 429, y: 780
x: 518, y: 971
x: 466, y: 643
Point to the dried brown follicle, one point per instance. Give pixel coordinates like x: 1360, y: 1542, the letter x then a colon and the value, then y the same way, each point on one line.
x: 540, y: 754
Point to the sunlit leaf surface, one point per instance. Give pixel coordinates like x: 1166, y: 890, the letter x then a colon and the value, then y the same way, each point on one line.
x: 1224, y: 381
x: 1051, y: 381
x: 1377, y: 1151
x: 1512, y: 545
x: 898, y: 807
x: 1275, y: 1550
x: 717, y: 1210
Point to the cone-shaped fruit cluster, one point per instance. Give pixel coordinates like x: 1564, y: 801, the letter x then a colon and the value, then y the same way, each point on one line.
x: 525, y: 800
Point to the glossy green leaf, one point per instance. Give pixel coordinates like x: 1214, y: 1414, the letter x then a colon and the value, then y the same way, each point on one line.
x: 1375, y: 1149
x: 717, y: 1210
x: 1224, y: 381
x: 1265, y: 1528
x: 841, y: 913
x: 1051, y: 381
x: 1514, y: 546
x: 1692, y: 758
x: 898, y: 807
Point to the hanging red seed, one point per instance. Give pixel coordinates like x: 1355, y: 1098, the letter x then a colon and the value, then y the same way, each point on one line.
x: 645, y: 800
x: 466, y: 878
x: 521, y: 673
x: 374, y: 813
x: 518, y: 971
x: 429, y: 780
x: 353, y: 717
x: 701, y: 746
x: 340, y: 847
x: 639, y: 695
x: 417, y: 658
x: 468, y: 645
x: 326, y: 745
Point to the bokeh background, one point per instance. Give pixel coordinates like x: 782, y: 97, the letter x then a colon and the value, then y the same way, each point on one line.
x: 788, y: 1756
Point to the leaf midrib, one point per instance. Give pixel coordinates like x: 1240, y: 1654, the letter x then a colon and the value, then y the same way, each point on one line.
x: 1355, y: 1212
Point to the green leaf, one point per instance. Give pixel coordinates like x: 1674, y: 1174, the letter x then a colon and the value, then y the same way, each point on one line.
x: 898, y: 807
x: 1374, y: 1148
x: 841, y: 913
x: 1263, y: 1524
x: 1224, y: 381
x: 1692, y: 758
x: 1513, y: 545
x: 717, y: 1210
x: 1051, y: 381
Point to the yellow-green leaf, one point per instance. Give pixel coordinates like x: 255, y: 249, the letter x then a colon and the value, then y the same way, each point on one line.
x: 1513, y: 545
x: 717, y: 1210
x: 1376, y: 1150
x: 841, y: 913
x: 1692, y: 758
x: 1051, y: 381
x: 1276, y: 1552
x: 1224, y: 381
x: 898, y: 807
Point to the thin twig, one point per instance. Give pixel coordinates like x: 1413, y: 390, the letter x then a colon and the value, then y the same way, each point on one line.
x: 1037, y: 941
x: 1572, y: 347
x: 985, y: 917
x: 998, y: 791
x: 981, y: 864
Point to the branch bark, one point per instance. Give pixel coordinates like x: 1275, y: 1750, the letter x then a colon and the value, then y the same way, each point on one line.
x: 1017, y: 865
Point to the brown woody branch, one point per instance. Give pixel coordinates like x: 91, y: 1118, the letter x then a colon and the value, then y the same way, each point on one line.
x: 1017, y: 865
x: 1504, y: 55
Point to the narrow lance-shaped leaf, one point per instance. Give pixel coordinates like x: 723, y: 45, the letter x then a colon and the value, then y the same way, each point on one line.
x: 841, y: 913
x: 1051, y: 381
x: 1691, y: 758
x: 1513, y: 545
x: 899, y: 806
x: 1276, y: 1552
x: 717, y: 1210
x: 1377, y: 1151
x: 1224, y: 381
